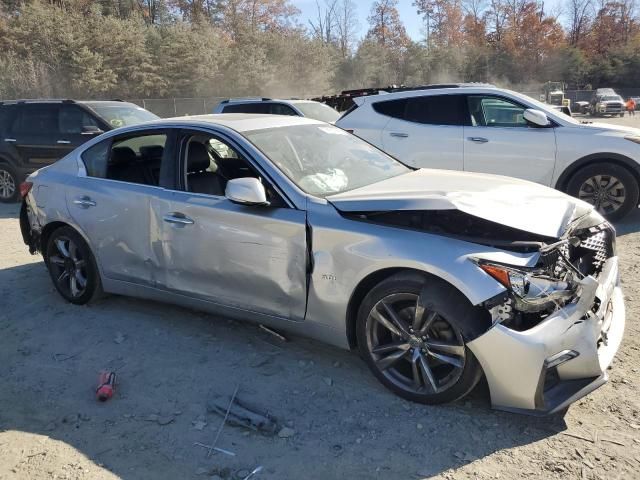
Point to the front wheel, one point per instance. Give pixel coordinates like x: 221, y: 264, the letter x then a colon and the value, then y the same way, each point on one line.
x: 71, y: 266
x: 409, y: 334
x: 610, y: 188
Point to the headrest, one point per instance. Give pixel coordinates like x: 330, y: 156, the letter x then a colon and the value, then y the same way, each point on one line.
x: 197, y: 158
x: 152, y: 151
x: 121, y: 155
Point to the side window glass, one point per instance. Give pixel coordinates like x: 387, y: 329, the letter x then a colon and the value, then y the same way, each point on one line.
x: 209, y: 163
x: 436, y: 110
x: 280, y: 109
x: 392, y: 108
x: 95, y: 159
x: 36, y: 120
x: 136, y: 159
x: 72, y: 120
x: 495, y: 112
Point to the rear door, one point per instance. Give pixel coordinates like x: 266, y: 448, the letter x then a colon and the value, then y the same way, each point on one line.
x: 425, y: 131
x: 35, y: 135
x: 111, y: 202
x: 500, y: 141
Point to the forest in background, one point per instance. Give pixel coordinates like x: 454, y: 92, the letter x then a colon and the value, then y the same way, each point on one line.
x: 202, y: 48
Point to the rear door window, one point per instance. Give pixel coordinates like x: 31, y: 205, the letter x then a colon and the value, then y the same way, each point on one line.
x: 39, y: 120
x: 133, y: 159
x: 428, y: 109
x: 247, y: 108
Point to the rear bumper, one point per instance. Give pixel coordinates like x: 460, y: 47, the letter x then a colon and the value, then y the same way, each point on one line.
x: 544, y: 369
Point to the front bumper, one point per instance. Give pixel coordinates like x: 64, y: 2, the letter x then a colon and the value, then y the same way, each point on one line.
x: 522, y: 367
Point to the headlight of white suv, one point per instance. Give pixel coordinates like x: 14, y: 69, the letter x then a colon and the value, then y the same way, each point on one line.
x: 633, y: 138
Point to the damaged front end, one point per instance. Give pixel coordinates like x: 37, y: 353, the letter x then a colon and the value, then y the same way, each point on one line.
x: 532, y: 294
x: 558, y: 324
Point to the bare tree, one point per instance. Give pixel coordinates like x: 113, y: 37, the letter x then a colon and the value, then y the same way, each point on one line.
x: 347, y: 26
x: 324, y: 26
x: 580, y: 13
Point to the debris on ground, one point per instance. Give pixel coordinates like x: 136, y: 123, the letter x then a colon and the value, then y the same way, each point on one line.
x: 242, y: 414
x: 271, y: 331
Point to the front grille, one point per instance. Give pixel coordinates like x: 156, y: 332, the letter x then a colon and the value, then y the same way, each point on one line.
x: 595, y: 248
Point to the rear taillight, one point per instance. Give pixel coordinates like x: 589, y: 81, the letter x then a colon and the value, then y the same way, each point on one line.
x: 25, y: 188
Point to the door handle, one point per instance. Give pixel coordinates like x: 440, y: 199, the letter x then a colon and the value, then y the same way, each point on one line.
x: 63, y: 142
x: 399, y: 134
x: 478, y: 139
x: 178, y: 219
x: 84, y: 202
x: 10, y: 140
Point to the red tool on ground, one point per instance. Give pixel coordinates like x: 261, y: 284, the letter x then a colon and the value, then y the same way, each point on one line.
x: 106, y: 386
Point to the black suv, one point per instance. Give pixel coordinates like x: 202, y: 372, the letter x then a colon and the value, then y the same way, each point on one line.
x: 36, y: 133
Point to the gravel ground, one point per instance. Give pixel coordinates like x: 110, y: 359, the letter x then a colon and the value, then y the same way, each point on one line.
x: 340, y: 422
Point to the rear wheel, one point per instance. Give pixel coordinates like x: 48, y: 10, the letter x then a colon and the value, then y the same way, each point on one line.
x: 411, y: 337
x: 72, y: 266
x: 610, y: 188
x: 8, y: 184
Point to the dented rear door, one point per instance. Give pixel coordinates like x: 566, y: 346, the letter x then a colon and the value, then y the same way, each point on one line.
x: 252, y: 258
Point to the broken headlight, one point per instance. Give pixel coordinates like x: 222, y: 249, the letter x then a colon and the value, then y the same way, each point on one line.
x: 533, y: 290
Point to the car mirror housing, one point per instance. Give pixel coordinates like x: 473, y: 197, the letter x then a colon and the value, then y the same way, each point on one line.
x: 91, y: 130
x: 537, y: 117
x: 246, y: 191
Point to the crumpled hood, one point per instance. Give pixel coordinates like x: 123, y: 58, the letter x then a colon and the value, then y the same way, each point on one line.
x: 508, y: 201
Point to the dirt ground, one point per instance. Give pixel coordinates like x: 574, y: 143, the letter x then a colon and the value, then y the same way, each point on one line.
x: 341, y: 422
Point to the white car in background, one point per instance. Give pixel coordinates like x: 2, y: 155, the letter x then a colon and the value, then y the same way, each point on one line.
x: 490, y: 130
x: 272, y: 106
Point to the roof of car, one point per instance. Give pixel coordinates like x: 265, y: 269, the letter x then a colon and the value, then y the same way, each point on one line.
x: 264, y: 99
x: 242, y: 122
x: 61, y: 100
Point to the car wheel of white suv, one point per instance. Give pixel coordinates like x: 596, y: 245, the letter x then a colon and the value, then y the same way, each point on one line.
x: 612, y: 189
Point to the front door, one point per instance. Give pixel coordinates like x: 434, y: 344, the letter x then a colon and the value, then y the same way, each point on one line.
x: 248, y: 257
x: 500, y: 141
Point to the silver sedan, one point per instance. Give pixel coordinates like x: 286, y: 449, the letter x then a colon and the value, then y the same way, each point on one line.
x: 436, y: 277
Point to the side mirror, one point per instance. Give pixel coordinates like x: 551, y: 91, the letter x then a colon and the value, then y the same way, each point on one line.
x: 246, y: 191
x: 91, y: 130
x: 537, y: 117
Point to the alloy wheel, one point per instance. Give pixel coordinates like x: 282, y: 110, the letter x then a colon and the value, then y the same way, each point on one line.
x: 7, y: 184
x: 605, y: 192
x: 414, y: 347
x: 68, y: 266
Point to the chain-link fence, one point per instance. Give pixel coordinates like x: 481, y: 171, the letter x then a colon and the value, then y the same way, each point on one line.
x: 178, y: 107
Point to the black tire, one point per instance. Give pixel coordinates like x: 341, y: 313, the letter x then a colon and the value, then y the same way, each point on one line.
x: 623, y: 197
x: 448, y: 315
x: 70, y: 262
x: 9, y: 184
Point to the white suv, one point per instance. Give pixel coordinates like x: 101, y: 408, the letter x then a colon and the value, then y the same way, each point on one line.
x: 491, y: 130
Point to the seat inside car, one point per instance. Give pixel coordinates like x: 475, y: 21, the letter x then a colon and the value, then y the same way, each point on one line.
x: 201, y: 171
